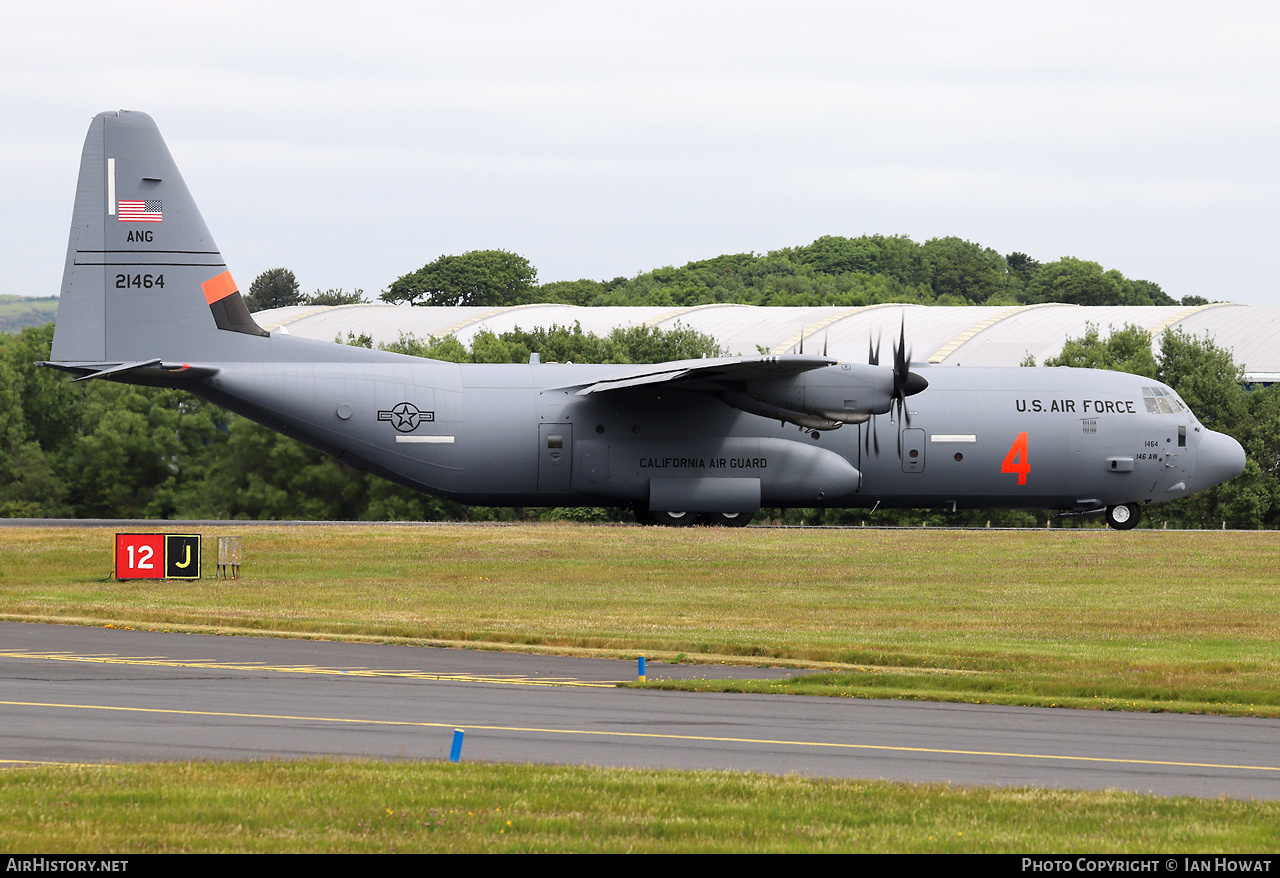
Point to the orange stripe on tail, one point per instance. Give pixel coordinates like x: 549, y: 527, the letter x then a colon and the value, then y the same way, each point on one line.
x: 218, y: 288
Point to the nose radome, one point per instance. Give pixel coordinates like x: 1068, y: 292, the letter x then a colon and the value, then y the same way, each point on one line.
x: 1220, y: 459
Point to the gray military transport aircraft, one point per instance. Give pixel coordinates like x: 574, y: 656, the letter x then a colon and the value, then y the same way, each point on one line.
x: 147, y: 299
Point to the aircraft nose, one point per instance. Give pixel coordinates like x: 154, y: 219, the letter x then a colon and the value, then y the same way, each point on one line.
x: 1220, y: 459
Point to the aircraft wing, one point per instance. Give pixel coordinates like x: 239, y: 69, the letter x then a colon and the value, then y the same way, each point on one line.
x: 710, y: 373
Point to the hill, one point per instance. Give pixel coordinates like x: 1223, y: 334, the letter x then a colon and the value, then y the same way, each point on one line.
x: 19, y: 312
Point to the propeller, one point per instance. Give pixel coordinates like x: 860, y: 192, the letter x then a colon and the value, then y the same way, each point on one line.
x: 825, y: 337
x: 901, y: 377
x: 905, y: 383
x: 872, y: 437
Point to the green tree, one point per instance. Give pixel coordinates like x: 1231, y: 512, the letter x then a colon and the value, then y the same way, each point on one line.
x: 334, y: 297
x: 24, y: 470
x: 1080, y: 282
x: 968, y: 272
x: 39, y: 412
x: 1125, y: 350
x: 1205, y: 376
x: 1253, y: 499
x: 1023, y: 268
x: 896, y: 256
x: 572, y: 292
x: 478, y: 277
x: 274, y: 288
x: 142, y: 452
x: 265, y: 475
x: 1076, y: 282
x: 1145, y: 292
x: 565, y: 344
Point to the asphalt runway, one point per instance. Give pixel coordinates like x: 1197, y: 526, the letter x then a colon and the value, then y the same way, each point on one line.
x: 71, y: 694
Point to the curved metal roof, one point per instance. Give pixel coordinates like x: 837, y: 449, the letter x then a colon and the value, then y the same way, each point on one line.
x: 970, y: 336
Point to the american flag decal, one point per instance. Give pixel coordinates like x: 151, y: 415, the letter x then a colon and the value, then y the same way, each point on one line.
x: 139, y: 211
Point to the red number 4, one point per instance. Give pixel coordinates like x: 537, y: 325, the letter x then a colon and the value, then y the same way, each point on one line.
x: 1016, y: 460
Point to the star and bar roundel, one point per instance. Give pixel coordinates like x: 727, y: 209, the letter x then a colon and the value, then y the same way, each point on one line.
x: 405, y: 416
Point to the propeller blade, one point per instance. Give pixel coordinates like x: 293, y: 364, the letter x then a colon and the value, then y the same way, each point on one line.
x: 905, y: 383
x: 901, y: 359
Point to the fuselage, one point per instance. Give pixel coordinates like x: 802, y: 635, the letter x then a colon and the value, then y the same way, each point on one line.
x: 1071, y: 439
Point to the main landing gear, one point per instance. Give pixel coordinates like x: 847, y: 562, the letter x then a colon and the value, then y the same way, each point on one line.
x: 728, y: 519
x: 674, y: 519
x: 688, y: 519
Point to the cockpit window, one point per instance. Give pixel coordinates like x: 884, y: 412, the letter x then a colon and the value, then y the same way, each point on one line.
x: 1162, y: 401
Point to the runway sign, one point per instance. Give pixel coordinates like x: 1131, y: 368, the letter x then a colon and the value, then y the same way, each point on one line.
x: 182, y: 556
x: 157, y: 556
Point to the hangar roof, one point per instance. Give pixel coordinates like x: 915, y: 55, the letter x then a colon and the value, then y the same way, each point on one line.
x: 969, y: 336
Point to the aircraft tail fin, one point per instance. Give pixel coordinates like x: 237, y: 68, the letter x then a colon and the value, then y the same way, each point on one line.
x: 143, y: 278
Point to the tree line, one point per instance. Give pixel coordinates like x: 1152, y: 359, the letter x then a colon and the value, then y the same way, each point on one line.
x: 848, y: 272
x: 278, y: 288
x: 832, y: 270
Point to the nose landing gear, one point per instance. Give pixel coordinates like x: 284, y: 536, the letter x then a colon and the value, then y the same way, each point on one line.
x: 1124, y: 516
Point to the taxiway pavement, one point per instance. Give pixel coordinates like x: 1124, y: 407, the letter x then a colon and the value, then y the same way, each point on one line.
x: 75, y: 694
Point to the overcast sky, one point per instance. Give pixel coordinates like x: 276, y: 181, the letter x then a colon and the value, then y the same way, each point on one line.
x: 353, y: 142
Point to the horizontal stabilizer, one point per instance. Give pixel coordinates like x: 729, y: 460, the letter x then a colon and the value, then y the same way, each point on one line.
x: 86, y: 371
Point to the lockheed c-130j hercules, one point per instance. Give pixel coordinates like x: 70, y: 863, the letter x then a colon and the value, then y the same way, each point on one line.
x: 147, y: 299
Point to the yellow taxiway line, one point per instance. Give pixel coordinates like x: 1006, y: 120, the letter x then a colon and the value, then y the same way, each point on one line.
x: 159, y: 661
x: 647, y: 736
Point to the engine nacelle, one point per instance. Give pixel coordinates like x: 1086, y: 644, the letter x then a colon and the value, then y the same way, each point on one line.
x: 846, y: 393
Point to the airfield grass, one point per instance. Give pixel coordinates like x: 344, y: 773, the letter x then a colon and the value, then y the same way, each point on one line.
x: 1138, y: 620
x: 323, y: 806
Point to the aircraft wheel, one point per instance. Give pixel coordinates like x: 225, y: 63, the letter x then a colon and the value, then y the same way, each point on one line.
x: 729, y: 519
x: 1124, y: 516
x: 674, y: 519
